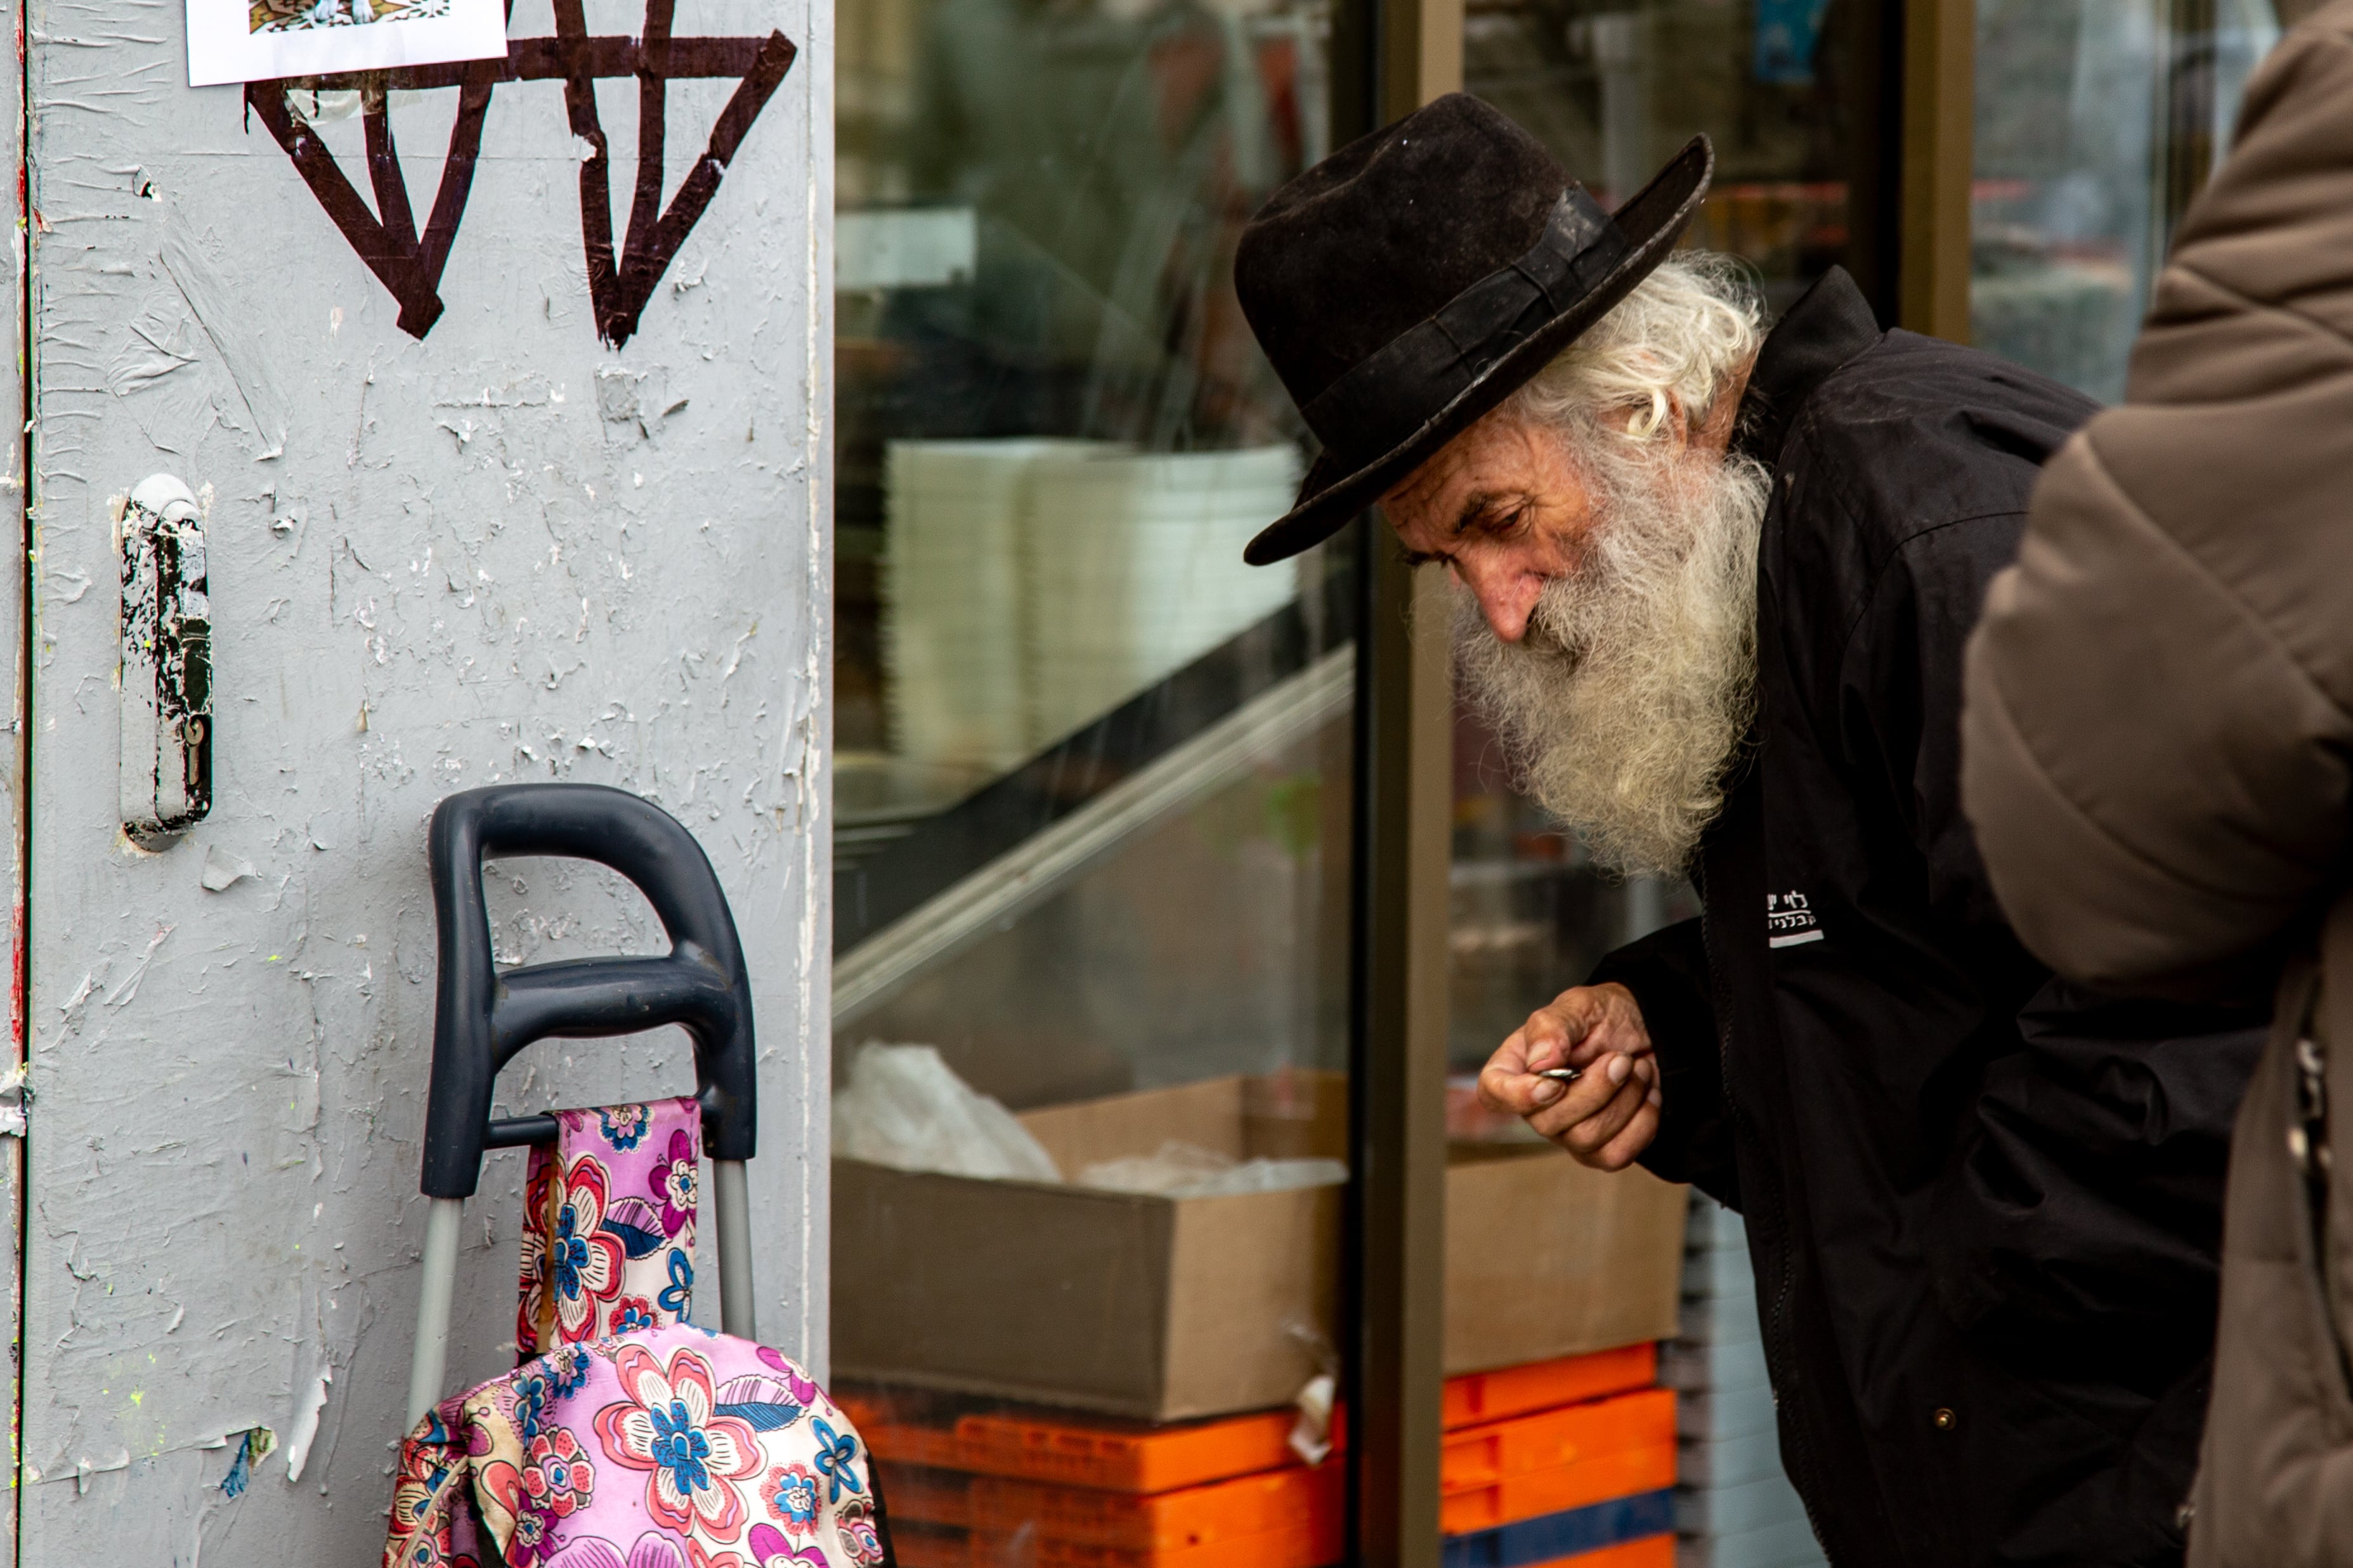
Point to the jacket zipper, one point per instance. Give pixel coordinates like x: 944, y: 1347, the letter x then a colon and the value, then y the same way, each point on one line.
x: 1773, y: 1329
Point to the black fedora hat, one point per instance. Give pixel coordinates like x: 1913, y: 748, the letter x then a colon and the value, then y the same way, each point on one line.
x: 1411, y: 283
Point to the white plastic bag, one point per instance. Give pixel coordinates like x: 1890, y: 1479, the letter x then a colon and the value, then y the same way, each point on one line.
x: 1181, y: 1169
x: 905, y: 1107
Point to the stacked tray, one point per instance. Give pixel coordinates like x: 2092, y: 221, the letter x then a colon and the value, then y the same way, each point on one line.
x: 951, y: 597
x: 1559, y: 1463
x: 1031, y: 585
x: 1735, y: 1507
x: 1133, y: 569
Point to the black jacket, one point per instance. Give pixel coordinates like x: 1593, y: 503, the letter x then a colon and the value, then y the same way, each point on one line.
x: 1983, y: 1205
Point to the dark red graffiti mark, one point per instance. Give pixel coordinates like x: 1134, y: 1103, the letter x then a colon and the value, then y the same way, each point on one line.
x: 409, y: 265
x: 619, y: 291
x: 386, y: 239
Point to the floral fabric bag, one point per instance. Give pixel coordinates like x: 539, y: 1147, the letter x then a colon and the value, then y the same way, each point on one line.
x: 608, y: 1225
x: 637, y: 1440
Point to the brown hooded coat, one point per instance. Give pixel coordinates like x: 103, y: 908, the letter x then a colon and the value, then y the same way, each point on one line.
x: 2158, y: 748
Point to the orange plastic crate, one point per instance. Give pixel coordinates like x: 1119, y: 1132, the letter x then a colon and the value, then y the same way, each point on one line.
x: 1219, y: 1513
x: 1550, y: 1439
x: 1308, y: 1543
x: 1500, y: 1424
x: 1650, y: 1551
x: 1119, y: 1458
x: 927, y: 1497
x: 907, y: 1443
x: 1497, y: 1474
x: 1539, y: 1492
x: 1509, y: 1390
x: 922, y: 1548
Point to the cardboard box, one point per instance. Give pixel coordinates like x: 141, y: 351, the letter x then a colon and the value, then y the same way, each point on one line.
x: 1165, y: 1309
x: 1547, y: 1257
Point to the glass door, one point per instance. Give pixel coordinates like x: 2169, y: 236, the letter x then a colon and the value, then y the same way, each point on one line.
x: 1609, y: 1318
x: 2097, y: 123
x: 1090, y: 937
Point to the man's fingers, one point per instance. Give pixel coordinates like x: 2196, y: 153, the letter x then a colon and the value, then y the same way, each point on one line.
x: 1554, y: 1035
x: 1594, y: 1029
x: 1509, y: 1062
x: 1616, y: 1031
x: 1601, y: 1085
x: 1547, y: 1101
x: 1622, y: 1151
x: 1598, y: 1114
x: 1551, y: 1035
x: 1510, y: 1083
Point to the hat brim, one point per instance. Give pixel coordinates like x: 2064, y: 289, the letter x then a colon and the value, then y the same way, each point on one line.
x: 1652, y: 222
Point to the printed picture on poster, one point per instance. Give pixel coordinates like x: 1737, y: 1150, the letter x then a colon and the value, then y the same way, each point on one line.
x: 260, y: 40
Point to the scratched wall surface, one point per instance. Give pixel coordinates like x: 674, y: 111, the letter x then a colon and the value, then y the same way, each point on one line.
x: 505, y: 551
x: 12, y: 794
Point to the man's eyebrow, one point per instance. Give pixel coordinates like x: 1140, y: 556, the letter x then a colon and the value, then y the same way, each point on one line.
x: 1476, y: 509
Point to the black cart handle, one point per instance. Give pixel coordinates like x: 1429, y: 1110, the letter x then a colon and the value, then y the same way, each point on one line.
x: 482, y: 1018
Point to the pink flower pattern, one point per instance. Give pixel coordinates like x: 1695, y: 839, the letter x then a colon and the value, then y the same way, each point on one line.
x: 674, y: 1181
x: 745, y: 1462
x: 626, y: 1286
x: 716, y: 1493
x: 666, y: 1425
x: 584, y: 1261
x: 558, y: 1479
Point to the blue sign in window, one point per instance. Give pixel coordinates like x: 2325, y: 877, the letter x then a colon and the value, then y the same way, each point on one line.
x: 1787, y: 32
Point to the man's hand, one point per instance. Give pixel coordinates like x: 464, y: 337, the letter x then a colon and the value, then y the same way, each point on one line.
x: 1608, y: 1115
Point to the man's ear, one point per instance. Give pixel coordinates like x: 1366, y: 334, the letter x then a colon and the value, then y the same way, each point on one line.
x: 1644, y: 421
x: 1675, y: 422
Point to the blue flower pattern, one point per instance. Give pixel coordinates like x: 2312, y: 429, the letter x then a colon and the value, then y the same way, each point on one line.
x: 568, y: 1253
x: 674, y: 1295
x: 536, y: 1392
x: 570, y: 1367
x: 629, y: 1131
x: 837, y: 1452
x: 680, y: 1448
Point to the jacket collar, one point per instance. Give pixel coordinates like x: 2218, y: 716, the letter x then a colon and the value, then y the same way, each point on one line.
x: 1830, y: 324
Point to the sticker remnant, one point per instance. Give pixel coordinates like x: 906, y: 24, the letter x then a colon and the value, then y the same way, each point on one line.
x: 255, y: 1447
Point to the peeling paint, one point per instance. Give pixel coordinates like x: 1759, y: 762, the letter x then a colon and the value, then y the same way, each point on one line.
x: 306, y: 1423
x: 208, y: 296
x: 434, y: 564
x: 222, y: 872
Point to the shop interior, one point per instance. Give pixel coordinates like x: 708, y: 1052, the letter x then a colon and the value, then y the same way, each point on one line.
x: 1113, y: 861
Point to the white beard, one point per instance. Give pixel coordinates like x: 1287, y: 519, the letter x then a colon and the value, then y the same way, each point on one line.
x: 1622, y: 706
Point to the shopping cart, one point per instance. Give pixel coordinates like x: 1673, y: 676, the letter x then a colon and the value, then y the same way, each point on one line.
x: 482, y: 1017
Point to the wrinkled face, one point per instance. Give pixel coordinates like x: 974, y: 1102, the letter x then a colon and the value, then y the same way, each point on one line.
x: 1506, y: 511
x: 1606, y: 593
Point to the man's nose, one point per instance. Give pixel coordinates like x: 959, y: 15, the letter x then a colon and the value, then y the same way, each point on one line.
x: 1507, y: 596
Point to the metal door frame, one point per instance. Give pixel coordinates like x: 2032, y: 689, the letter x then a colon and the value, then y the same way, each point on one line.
x: 1390, y: 57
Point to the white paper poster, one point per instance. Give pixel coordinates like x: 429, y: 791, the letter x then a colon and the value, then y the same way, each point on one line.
x: 259, y: 40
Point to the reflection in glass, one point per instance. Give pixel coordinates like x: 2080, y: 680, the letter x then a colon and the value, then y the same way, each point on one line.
x: 1093, y: 786
x: 1782, y: 88
x: 1790, y: 92
x: 2097, y: 121
x: 1787, y: 91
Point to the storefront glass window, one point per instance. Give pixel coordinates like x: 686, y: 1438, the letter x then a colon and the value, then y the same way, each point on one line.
x: 2097, y: 121
x: 1788, y: 93
x: 1564, y: 1301
x: 1785, y: 89
x: 1782, y: 88
x: 1092, y: 779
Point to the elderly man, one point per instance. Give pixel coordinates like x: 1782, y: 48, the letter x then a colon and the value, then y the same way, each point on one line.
x: 1716, y: 586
